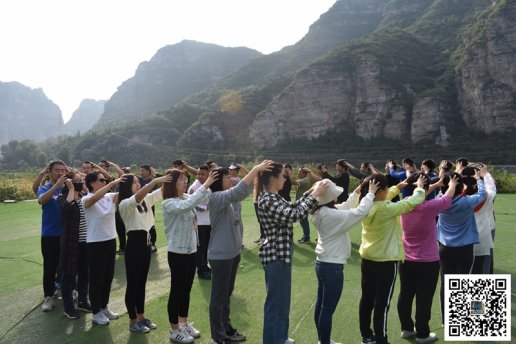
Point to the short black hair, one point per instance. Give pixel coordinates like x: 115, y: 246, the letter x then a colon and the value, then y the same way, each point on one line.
x: 55, y: 162
x: 204, y: 167
x: 408, y: 161
x: 146, y: 167
x: 429, y: 163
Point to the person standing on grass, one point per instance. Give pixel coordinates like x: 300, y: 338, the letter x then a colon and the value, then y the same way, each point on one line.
x: 181, y: 231
x: 225, y: 247
x: 134, y: 204
x: 74, y: 257
x: 146, y: 176
x: 99, y: 210
x: 408, y: 168
x: 486, y: 226
x: 51, y: 229
x: 202, y: 214
x: 457, y: 230
x: 333, y: 222
x: 419, y: 271
x: 277, y: 217
x: 341, y: 178
x: 304, y: 183
x: 289, y: 181
x: 381, y: 249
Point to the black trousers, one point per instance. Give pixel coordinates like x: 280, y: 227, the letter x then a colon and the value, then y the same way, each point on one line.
x: 79, y: 280
x: 137, y: 262
x: 182, y: 272
x: 201, y: 256
x: 222, y: 284
x: 454, y: 260
x: 419, y: 280
x: 378, y: 279
x: 101, y: 261
x: 51, y: 250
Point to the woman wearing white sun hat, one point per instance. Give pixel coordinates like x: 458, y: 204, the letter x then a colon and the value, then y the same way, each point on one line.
x: 333, y: 222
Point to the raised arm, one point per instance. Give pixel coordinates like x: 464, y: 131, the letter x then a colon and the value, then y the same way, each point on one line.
x: 37, y: 182
x: 47, y: 196
x: 117, y: 168
x: 140, y: 195
x: 88, y: 203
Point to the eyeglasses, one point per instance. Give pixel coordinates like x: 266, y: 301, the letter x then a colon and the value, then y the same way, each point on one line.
x: 102, y: 180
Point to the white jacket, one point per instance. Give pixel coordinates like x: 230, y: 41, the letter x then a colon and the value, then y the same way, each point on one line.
x: 485, y: 219
x: 333, y: 225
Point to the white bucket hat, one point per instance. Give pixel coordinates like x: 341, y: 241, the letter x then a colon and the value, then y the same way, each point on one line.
x: 332, y: 192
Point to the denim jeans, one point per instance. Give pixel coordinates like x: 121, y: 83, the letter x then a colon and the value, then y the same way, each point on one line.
x: 278, y: 279
x: 306, y: 227
x: 331, y: 281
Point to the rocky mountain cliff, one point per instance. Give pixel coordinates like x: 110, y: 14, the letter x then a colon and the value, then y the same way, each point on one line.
x: 394, y: 76
x: 85, y: 116
x: 27, y: 113
x: 173, y: 73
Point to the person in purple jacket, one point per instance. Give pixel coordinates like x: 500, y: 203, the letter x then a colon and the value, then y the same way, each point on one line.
x: 419, y: 271
x: 457, y: 230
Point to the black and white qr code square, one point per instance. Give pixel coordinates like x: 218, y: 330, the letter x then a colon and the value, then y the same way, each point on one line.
x: 477, y: 307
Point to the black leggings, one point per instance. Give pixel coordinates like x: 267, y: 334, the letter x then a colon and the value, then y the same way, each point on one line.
x: 378, y: 280
x: 137, y: 262
x: 50, y: 249
x: 101, y: 261
x: 201, y: 257
x: 182, y: 272
x: 454, y: 260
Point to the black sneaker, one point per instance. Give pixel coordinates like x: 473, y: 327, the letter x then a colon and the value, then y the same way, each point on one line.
x: 204, y: 275
x: 234, y: 335
x: 84, y: 306
x: 154, y: 249
x: 304, y: 240
x: 72, y: 313
x: 369, y: 340
x: 120, y: 252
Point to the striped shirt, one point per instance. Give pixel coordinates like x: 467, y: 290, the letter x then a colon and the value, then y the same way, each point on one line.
x: 277, y: 216
x: 83, y: 229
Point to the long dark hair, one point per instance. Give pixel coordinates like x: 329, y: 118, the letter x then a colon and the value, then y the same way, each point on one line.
x: 217, y: 184
x: 169, y: 189
x: 319, y: 206
x: 125, y: 190
x: 264, y: 178
x: 379, y: 178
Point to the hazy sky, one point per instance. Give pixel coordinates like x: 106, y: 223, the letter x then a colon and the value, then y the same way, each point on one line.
x: 75, y: 49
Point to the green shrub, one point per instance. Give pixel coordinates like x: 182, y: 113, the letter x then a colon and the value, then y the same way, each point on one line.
x: 505, y: 181
x: 15, y: 189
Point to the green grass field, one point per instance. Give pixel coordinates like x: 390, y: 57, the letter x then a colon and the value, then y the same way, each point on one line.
x: 21, y: 288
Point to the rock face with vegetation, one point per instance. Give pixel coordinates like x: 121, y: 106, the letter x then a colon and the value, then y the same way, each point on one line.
x: 27, y: 113
x: 369, y: 74
x: 172, y: 74
x: 85, y: 116
x: 486, y: 73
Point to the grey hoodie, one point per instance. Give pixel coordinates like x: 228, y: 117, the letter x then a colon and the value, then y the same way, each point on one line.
x: 226, y: 222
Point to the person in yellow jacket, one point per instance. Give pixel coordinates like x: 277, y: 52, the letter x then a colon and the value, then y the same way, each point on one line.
x: 381, y: 250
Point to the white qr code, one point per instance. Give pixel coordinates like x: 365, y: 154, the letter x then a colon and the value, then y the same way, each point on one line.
x: 477, y: 307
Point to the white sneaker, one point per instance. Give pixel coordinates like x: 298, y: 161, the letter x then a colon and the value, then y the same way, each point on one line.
x: 290, y: 341
x: 331, y: 342
x: 192, y: 331
x: 180, y: 336
x: 100, y: 318
x: 432, y: 337
x: 110, y: 314
x: 48, y: 304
